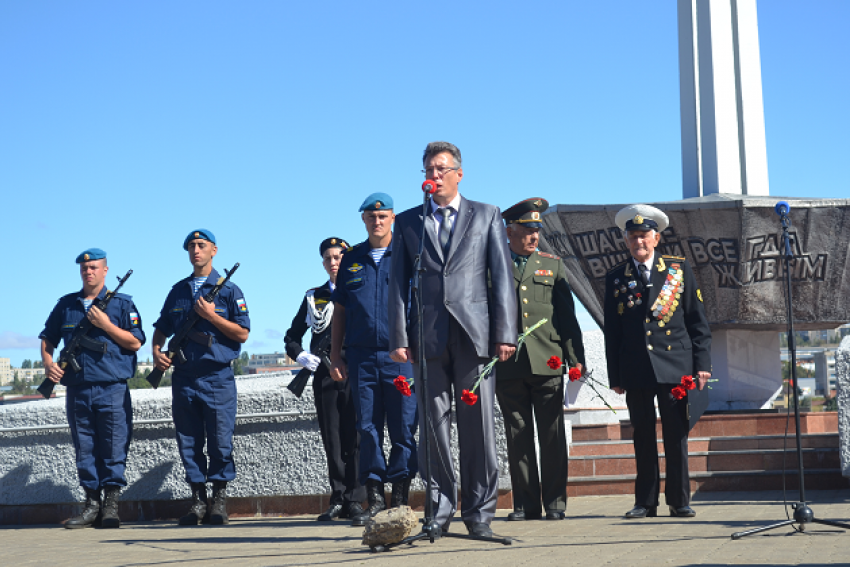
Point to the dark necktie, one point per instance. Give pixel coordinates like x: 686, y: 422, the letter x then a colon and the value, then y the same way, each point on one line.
x: 445, y: 228
x: 520, y: 263
x: 644, y: 275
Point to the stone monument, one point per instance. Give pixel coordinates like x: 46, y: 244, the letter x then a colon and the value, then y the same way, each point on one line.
x: 725, y: 225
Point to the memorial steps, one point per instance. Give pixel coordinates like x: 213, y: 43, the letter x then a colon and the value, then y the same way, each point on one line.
x: 732, y: 452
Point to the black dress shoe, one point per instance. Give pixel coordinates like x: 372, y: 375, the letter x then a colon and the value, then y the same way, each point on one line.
x: 522, y: 515
x: 332, y: 513
x: 555, y: 515
x: 479, y: 529
x: 642, y: 512
x: 357, y: 514
x: 682, y: 512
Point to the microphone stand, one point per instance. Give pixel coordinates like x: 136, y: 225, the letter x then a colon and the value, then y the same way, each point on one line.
x: 802, y: 513
x: 431, y: 529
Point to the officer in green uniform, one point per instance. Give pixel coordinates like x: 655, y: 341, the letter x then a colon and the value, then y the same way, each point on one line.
x: 529, y: 384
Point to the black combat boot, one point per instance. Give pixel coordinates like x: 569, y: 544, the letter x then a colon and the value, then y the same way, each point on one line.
x: 218, y: 513
x: 198, y: 510
x: 401, y: 490
x: 109, y: 517
x: 375, y: 494
x: 90, y: 513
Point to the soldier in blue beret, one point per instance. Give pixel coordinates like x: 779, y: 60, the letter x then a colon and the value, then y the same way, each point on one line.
x: 204, y: 387
x: 98, y: 402
x: 361, y: 318
x: 334, y: 402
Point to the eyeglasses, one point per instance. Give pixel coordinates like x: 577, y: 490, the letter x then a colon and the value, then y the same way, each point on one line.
x: 438, y: 170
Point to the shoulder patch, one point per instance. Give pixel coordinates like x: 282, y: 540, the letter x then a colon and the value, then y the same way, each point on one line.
x: 545, y: 255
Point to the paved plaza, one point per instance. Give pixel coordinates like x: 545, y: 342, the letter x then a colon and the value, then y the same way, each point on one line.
x: 594, y: 533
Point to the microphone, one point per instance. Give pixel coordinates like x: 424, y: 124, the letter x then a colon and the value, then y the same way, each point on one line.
x: 782, y: 208
x: 429, y: 187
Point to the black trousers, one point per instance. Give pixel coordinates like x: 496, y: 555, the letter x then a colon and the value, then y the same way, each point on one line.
x: 338, y: 425
x: 674, y: 425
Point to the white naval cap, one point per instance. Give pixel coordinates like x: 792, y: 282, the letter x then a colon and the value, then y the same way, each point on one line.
x: 641, y: 217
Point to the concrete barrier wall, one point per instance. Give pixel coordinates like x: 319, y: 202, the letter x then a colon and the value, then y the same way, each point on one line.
x: 275, y: 455
x: 842, y: 380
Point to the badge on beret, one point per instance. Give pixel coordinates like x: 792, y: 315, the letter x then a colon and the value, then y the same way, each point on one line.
x: 333, y: 240
x: 377, y: 204
x: 85, y: 256
x: 197, y: 234
x: 344, y: 245
x: 638, y: 219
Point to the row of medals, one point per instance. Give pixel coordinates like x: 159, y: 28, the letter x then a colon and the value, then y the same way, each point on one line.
x: 668, y: 298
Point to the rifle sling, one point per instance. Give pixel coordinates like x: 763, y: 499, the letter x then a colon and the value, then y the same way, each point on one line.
x: 92, y: 344
x: 202, y: 339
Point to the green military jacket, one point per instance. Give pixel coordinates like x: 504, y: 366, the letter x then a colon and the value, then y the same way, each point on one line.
x: 543, y: 292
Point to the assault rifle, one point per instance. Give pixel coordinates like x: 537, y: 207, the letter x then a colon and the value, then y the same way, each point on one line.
x: 80, y: 340
x: 297, y: 384
x: 184, y: 333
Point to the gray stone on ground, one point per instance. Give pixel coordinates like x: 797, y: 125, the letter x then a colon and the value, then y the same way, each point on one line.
x: 390, y: 526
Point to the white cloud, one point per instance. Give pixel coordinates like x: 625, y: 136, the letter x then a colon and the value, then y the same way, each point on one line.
x: 13, y: 340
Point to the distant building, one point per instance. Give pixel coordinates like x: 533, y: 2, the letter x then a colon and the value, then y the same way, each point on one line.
x: 5, y: 371
x: 30, y: 374
x: 265, y: 360
x: 822, y: 361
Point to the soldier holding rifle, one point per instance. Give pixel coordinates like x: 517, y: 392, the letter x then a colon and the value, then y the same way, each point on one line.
x: 334, y: 402
x: 203, y: 384
x: 98, y: 402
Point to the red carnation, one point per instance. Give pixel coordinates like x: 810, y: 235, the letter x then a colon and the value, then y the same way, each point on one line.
x: 469, y: 398
x: 402, y: 386
x: 574, y: 374
x: 688, y: 382
x: 679, y: 392
x: 554, y: 363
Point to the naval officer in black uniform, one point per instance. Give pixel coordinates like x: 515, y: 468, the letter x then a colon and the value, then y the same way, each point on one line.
x: 656, y: 332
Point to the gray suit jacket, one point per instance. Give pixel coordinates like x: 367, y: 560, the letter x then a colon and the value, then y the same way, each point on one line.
x: 455, y: 286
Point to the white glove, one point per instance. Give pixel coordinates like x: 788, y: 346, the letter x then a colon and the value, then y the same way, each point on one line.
x: 309, y: 361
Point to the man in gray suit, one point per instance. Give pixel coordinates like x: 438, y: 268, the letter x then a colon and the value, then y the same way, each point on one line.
x: 469, y: 309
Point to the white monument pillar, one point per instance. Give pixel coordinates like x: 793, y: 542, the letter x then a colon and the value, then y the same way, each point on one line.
x: 723, y: 143
x: 724, y: 151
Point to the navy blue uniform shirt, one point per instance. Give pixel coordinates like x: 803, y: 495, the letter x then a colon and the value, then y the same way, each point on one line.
x: 230, y: 304
x: 116, y: 364
x: 362, y: 287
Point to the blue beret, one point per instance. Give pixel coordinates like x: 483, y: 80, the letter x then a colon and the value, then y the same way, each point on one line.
x: 377, y: 202
x: 91, y: 254
x: 199, y: 233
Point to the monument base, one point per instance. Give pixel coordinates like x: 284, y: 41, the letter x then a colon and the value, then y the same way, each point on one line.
x: 747, y: 367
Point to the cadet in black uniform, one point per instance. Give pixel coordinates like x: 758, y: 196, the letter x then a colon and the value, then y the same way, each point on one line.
x: 656, y: 332
x: 334, y: 403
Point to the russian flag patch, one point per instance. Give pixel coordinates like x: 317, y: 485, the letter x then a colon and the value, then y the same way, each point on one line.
x: 134, y: 318
x: 241, y: 304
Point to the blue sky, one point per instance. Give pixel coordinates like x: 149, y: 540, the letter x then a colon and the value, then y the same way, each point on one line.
x: 126, y: 125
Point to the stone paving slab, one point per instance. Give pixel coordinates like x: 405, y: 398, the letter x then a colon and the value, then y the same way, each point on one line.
x: 595, y: 533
